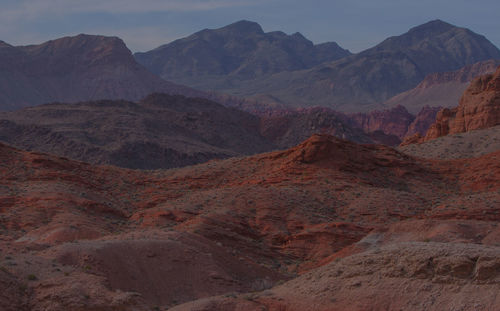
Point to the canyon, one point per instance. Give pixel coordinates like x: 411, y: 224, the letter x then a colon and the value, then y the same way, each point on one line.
x: 299, y: 176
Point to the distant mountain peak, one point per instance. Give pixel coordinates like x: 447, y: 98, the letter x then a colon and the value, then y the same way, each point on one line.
x: 76, y: 68
x: 239, y: 51
x: 437, y: 23
x: 86, y: 48
x: 299, y: 35
x: 89, y: 38
x: 79, y: 43
x: 244, y: 26
x: 433, y: 26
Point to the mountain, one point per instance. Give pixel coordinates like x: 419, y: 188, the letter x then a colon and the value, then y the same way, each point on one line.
x: 224, y: 58
x: 362, y: 82
x: 160, y: 131
x: 308, y: 228
x: 442, y: 89
x: 74, y: 69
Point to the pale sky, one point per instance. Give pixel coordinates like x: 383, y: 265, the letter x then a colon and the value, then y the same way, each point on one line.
x: 146, y: 24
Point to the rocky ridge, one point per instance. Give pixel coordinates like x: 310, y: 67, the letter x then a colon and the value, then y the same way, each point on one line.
x: 241, y: 225
x: 213, y: 59
x: 160, y: 131
x: 364, y: 81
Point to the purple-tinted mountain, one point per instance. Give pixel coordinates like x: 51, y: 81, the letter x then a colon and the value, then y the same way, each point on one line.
x: 362, y: 82
x: 74, y: 69
x: 221, y: 59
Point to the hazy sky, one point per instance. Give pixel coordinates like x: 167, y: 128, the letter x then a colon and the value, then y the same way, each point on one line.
x: 146, y: 24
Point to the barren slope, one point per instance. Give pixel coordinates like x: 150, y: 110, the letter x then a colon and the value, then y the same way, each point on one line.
x: 442, y: 89
x: 85, y: 237
x: 464, y: 145
x: 364, y: 81
x: 73, y: 69
x: 160, y: 131
x: 229, y: 57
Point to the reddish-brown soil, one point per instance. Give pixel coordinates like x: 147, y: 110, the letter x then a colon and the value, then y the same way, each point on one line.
x: 79, y: 237
x: 400, y: 276
x: 455, y: 146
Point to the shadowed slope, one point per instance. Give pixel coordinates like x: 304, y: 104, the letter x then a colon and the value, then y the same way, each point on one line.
x: 362, y: 82
x: 217, y: 59
x: 72, y: 69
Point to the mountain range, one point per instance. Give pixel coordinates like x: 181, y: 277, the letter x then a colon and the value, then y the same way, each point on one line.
x: 211, y: 59
x: 242, y: 66
x: 112, y: 198
x: 351, y: 83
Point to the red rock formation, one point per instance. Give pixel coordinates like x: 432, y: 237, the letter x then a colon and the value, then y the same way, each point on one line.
x: 393, y: 121
x: 81, y: 235
x: 288, y: 127
x: 479, y: 108
x: 424, y: 119
x: 412, y: 139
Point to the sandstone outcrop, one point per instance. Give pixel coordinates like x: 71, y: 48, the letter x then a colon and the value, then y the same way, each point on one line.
x: 479, y: 108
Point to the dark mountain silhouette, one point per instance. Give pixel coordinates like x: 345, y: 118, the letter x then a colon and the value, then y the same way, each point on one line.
x: 363, y: 81
x: 220, y: 58
x: 161, y: 131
